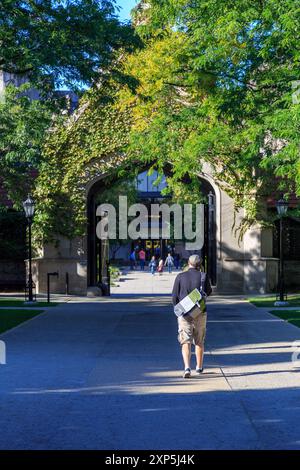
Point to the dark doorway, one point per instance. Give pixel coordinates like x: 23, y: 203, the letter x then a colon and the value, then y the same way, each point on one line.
x: 97, y: 250
x: 12, y: 250
x: 209, y: 252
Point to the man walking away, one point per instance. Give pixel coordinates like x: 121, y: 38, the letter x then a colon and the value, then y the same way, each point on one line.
x: 192, y: 330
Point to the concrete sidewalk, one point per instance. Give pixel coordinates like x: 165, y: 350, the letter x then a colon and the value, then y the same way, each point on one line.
x: 144, y: 283
x: 108, y: 375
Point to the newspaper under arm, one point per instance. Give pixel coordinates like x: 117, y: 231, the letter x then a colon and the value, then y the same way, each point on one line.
x: 188, y: 302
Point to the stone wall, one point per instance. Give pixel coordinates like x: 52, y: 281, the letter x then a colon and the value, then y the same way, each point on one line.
x: 64, y: 257
x: 75, y: 268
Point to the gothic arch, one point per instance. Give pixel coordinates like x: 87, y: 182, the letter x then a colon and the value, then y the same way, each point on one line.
x: 212, y: 244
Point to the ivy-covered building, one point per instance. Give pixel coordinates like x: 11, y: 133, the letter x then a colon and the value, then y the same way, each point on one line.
x: 245, y: 266
x: 87, y: 160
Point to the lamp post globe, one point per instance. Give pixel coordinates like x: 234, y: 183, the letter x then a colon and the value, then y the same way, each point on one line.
x: 282, y: 207
x: 29, y: 206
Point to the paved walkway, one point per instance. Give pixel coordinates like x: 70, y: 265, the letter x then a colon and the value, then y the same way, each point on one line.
x: 144, y: 283
x: 107, y: 375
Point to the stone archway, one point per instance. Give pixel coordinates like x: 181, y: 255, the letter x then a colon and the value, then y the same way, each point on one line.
x: 95, y: 252
x: 239, y: 266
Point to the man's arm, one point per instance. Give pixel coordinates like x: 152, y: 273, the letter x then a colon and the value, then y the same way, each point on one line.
x: 175, y: 291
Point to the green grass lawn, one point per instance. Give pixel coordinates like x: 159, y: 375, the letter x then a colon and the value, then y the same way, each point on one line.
x: 293, y: 300
x: 13, y: 317
x: 21, y: 303
x: 291, y: 316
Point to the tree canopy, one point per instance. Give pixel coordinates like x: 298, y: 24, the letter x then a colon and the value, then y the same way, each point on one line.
x: 213, y: 82
x: 49, y: 44
x: 90, y: 143
x: 57, y: 42
x: 216, y: 85
x: 23, y: 125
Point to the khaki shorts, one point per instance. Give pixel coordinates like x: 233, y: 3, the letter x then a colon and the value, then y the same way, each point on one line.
x: 192, y: 331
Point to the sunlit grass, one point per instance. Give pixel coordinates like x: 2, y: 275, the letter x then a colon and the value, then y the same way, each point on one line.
x: 293, y: 300
x: 9, y: 318
x: 291, y: 316
x: 21, y: 303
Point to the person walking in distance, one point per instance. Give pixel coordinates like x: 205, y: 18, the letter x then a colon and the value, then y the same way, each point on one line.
x: 177, y: 260
x: 192, y: 330
x: 160, y: 267
x: 152, y: 265
x: 169, y: 262
x: 157, y: 252
x: 142, y: 257
x: 132, y: 259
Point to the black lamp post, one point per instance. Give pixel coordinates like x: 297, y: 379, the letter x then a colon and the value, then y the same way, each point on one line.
x: 28, y: 206
x: 282, y: 207
x: 211, y: 237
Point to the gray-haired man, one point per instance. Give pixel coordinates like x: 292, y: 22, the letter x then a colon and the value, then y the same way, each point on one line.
x: 192, y: 330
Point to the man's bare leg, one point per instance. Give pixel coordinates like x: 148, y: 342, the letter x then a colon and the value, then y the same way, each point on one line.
x: 199, y: 351
x: 186, y: 354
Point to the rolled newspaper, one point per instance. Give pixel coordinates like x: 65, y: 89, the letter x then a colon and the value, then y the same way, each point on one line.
x: 187, y: 303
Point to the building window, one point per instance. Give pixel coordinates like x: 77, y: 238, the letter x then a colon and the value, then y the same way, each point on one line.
x: 146, y: 183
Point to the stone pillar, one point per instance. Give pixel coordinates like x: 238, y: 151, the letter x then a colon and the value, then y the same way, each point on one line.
x: 230, y: 262
x: 260, y: 268
x: 68, y: 257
